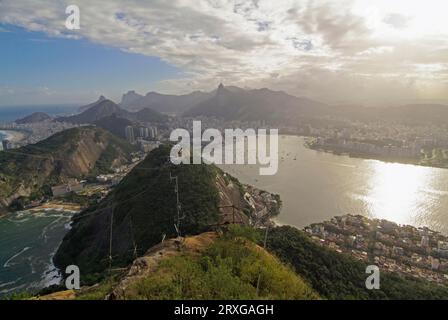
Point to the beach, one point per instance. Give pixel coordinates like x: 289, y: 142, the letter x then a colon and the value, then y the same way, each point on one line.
x: 12, y: 135
x: 28, y: 241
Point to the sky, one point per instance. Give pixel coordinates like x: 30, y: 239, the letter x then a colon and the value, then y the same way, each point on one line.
x: 367, y: 52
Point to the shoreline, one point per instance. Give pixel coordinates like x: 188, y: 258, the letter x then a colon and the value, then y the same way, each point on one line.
x: 66, y: 207
x: 385, y: 159
x: 13, y: 136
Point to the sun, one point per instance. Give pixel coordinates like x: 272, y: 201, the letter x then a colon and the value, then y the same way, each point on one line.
x: 413, y: 18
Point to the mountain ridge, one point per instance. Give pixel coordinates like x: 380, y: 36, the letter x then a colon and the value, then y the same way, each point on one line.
x: 31, y: 170
x: 162, y: 102
x: 33, y: 118
x: 106, y: 108
x: 88, y: 106
x: 256, y: 104
x: 275, y: 107
x: 143, y: 209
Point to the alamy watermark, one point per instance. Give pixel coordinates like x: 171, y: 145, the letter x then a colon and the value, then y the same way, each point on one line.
x: 373, y: 280
x: 72, y: 282
x: 73, y: 21
x: 239, y: 147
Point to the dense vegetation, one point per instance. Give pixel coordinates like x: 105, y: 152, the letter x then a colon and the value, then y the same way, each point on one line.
x: 143, y: 207
x: 114, y: 124
x: 227, y: 269
x: 339, y: 276
x: 30, y: 171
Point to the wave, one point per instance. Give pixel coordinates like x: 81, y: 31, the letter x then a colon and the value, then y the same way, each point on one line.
x: 51, y: 276
x: 7, y: 134
x: 18, y: 221
x: 43, y: 234
x: 2, y: 285
x: 22, y: 286
x: 7, y: 263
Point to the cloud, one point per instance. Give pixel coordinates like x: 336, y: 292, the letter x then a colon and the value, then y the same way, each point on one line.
x: 337, y: 28
x: 396, y: 20
x: 325, y: 49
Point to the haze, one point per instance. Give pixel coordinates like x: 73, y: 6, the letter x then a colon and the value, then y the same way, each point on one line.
x: 340, y: 52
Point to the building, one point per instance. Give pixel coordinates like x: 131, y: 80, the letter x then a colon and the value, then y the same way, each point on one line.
x: 6, y: 144
x: 111, y: 179
x: 63, y: 189
x: 442, y: 248
x: 147, y: 146
x: 152, y: 132
x: 143, y: 132
x: 351, y: 240
x: 129, y: 132
x: 435, y: 263
x: 424, y: 242
x: 397, y: 251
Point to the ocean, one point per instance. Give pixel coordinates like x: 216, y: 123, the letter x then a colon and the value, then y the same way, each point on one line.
x: 315, y: 186
x: 28, y: 241
x: 12, y: 113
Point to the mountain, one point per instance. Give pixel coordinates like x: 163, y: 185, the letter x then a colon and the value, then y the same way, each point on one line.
x: 148, y: 115
x: 129, y: 99
x: 259, y: 104
x: 229, y: 103
x: 117, y: 124
x: 292, y: 266
x: 142, y: 211
x: 88, y: 106
x: 163, y: 103
x: 233, y: 103
x: 114, y: 124
x: 107, y: 108
x: 29, y: 172
x: 97, y: 110
x: 195, y: 267
x: 33, y: 118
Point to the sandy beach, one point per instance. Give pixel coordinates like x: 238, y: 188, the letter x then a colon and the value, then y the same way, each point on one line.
x: 58, y: 206
x: 13, y: 136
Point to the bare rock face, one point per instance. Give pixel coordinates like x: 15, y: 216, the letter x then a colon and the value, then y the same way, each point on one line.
x: 69, y: 154
x: 84, y: 155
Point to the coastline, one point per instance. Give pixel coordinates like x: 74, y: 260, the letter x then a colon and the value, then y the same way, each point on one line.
x: 13, y: 136
x: 52, y: 224
x: 357, y: 155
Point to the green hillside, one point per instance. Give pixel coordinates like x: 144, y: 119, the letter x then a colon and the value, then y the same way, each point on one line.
x: 229, y: 268
x: 30, y: 171
x: 339, y: 276
x: 143, y: 206
x: 227, y: 265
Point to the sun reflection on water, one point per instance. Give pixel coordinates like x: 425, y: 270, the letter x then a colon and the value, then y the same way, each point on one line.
x: 396, y: 192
